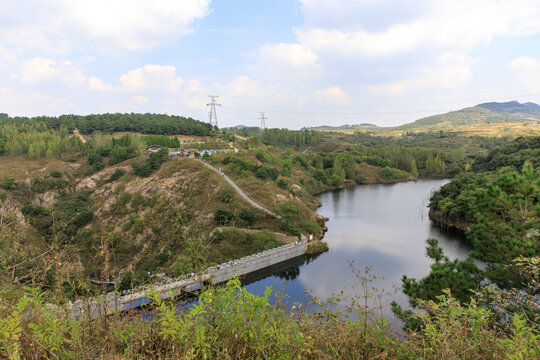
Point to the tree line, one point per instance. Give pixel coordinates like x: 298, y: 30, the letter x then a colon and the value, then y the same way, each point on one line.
x: 160, y: 124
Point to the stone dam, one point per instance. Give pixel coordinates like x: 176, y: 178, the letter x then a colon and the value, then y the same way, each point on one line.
x: 114, y: 302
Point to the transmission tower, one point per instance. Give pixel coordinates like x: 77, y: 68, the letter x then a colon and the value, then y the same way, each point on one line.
x: 212, y: 115
x: 262, y: 118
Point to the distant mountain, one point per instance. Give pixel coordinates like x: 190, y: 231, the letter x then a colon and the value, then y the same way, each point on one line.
x: 344, y: 127
x: 512, y: 107
x: 486, y: 113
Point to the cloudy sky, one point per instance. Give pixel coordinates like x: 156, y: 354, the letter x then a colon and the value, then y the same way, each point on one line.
x: 302, y: 62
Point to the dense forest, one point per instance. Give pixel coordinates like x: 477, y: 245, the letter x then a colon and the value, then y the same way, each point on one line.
x: 497, y: 205
x: 109, y: 123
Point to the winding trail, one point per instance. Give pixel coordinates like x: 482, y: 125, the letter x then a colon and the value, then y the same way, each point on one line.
x: 239, y: 191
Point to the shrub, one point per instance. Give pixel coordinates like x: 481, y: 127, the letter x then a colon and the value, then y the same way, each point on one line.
x: 260, y: 156
x: 248, y: 216
x: 223, y: 217
x: 84, y: 218
x: 8, y: 184
x: 310, y: 226
x: 216, y: 236
x: 117, y: 174
x: 226, y: 196
x: 388, y: 173
x: 56, y: 174
x: 282, y: 184
x: 290, y: 228
x: 287, y: 211
x: 286, y: 169
x: 321, y: 176
x: 336, y: 180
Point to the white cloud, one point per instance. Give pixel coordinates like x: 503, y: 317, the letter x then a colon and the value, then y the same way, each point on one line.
x: 41, y: 69
x: 242, y: 86
x: 452, y: 70
x: 96, y: 84
x: 332, y: 95
x: 132, y: 25
x: 446, y: 24
x: 157, y: 78
x: 7, y: 58
x: 140, y: 100
x: 293, y: 54
x: 528, y: 71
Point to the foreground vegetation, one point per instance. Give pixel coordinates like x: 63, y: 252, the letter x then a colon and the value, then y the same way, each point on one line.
x: 231, y: 323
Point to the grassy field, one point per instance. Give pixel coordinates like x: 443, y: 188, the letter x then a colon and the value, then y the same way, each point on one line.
x: 494, y: 129
x: 20, y: 167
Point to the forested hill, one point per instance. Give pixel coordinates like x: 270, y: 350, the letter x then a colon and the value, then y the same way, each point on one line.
x: 109, y: 123
x: 512, y: 107
x: 487, y: 113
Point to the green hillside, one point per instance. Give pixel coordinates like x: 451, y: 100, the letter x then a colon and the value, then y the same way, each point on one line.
x: 487, y: 113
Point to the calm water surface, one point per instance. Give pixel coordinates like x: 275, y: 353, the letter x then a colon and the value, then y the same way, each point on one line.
x: 383, y: 226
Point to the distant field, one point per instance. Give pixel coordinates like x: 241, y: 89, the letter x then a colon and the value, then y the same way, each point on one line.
x: 494, y: 129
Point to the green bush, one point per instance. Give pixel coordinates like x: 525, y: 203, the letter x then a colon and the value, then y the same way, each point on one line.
x: 223, y: 217
x: 56, y: 173
x: 287, y: 211
x: 226, y: 196
x: 8, y: 184
x: 310, y: 226
x: 388, y: 173
x: 336, y: 180
x: 282, y: 184
x: 248, y: 216
x: 117, y: 174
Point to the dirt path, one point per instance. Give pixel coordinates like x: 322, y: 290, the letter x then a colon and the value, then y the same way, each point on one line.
x: 239, y: 191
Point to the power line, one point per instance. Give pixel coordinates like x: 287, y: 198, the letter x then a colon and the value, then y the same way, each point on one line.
x: 348, y: 113
x: 212, y: 115
x: 262, y: 118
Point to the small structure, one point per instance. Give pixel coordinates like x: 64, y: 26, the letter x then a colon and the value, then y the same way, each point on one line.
x: 176, y: 153
x: 191, y: 152
x: 153, y: 148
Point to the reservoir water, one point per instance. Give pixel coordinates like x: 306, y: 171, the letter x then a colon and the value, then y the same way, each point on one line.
x: 382, y: 226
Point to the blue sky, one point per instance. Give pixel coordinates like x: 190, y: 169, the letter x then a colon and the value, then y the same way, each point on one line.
x: 302, y: 62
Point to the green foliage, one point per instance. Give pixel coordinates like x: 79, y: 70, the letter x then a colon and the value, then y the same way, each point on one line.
x: 388, y: 173
x: 266, y: 172
x: 287, y: 211
x: 151, y: 164
x: 8, y: 184
x: 286, y: 169
x: 223, y: 217
x: 162, y: 140
x: 336, y: 180
x: 117, y: 174
x: 460, y: 276
x: 231, y: 323
x: 226, y: 196
x: 282, y: 184
x: 500, y: 208
x: 310, y: 226
x: 289, y: 137
x: 247, y: 216
x: 56, y: 173
x: 513, y: 154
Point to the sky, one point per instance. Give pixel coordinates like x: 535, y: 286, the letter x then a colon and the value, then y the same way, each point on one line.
x: 301, y: 62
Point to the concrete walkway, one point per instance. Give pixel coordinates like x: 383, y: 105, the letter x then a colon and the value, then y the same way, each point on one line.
x: 239, y: 191
x: 115, y: 303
